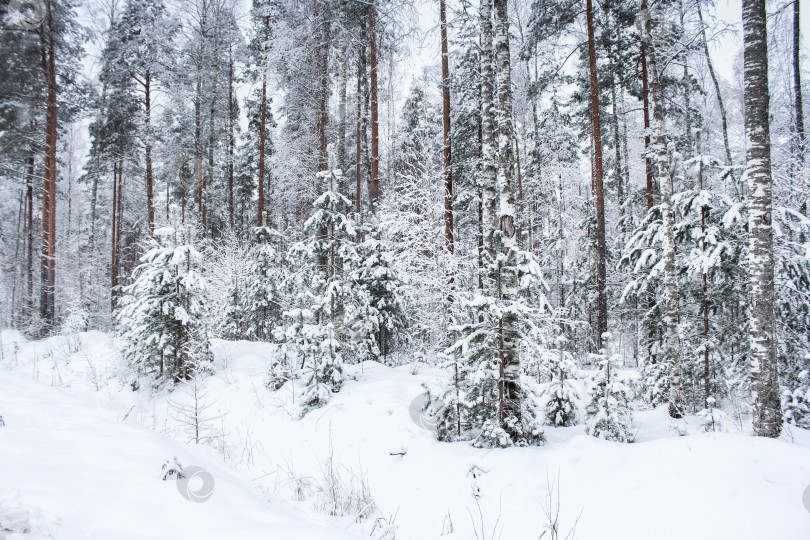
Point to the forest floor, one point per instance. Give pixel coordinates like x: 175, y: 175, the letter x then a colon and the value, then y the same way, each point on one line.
x: 82, y: 456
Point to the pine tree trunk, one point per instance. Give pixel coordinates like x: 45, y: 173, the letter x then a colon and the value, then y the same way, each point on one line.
x: 342, y: 78
x: 599, y: 192
x: 375, y: 125
x: 322, y: 102
x: 672, y: 353
x: 797, y: 81
x: 29, y: 228
x: 618, y: 152
x: 198, y: 151
x: 767, y: 419
x: 509, y: 389
x: 705, y: 289
x: 262, y: 129
x: 231, y: 139
x: 489, y: 167
x: 361, y: 72
x: 114, y: 243
x: 446, y: 151
x: 209, y: 176
x: 150, y: 208
x: 48, y: 270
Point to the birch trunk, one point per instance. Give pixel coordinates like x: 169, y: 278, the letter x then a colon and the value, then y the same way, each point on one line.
x: 509, y: 388
x: 489, y: 168
x: 797, y: 81
x: 767, y: 419
x: 672, y: 347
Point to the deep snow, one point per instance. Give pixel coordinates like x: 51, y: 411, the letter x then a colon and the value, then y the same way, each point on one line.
x: 81, y: 456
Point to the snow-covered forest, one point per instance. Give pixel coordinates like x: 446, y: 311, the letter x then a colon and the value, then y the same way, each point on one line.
x: 404, y: 268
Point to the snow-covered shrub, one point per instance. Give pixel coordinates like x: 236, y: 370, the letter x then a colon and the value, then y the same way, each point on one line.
x: 796, y: 401
x: 74, y: 323
x: 711, y: 418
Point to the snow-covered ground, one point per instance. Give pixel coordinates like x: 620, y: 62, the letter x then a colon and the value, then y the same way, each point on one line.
x: 81, y: 456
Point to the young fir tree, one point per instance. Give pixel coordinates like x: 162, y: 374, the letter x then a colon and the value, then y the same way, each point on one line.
x: 315, y: 323
x: 469, y: 405
x: 559, y: 397
x: 609, y: 415
x: 262, y: 296
x: 375, y: 313
x: 163, y: 309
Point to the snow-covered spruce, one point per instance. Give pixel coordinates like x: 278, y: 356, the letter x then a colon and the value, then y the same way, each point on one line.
x: 471, y: 404
x: 163, y: 314
x: 559, y: 397
x: 609, y: 415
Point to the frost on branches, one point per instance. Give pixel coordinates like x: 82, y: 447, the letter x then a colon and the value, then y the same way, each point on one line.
x: 163, y: 311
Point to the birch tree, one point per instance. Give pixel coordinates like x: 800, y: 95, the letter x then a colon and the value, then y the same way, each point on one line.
x: 672, y: 345
x: 764, y: 379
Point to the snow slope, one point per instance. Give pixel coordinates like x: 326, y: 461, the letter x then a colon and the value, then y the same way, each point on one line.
x: 67, y: 471
x: 73, y: 463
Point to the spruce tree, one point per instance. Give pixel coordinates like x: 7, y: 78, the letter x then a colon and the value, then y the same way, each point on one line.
x: 163, y: 313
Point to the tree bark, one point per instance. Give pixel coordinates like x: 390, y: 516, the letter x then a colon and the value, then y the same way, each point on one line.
x: 797, y: 82
x: 375, y: 125
x: 447, y: 150
x: 114, y: 243
x: 645, y: 93
x: 342, y: 79
x: 672, y: 345
x: 150, y: 208
x: 509, y: 389
x: 767, y: 419
x: 231, y: 139
x: 489, y: 167
x: 48, y: 285
x: 29, y: 229
x: 361, y: 73
x: 599, y: 192
x: 262, y: 124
